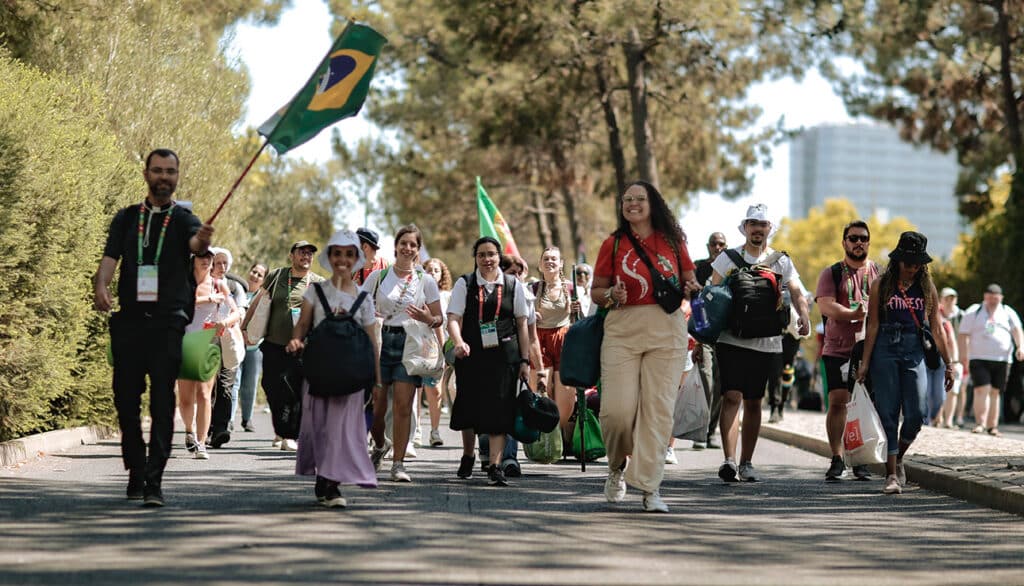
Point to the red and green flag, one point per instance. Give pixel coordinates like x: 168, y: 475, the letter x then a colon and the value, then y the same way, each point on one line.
x: 336, y: 90
x: 492, y: 223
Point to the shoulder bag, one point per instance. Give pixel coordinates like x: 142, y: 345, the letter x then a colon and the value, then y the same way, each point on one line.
x: 667, y: 294
x: 931, y: 352
x: 256, y: 327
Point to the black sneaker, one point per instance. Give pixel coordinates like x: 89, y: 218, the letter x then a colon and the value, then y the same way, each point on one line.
x: 862, y: 472
x: 136, y: 485
x: 220, y: 438
x: 153, y: 497
x: 511, y: 469
x: 495, y: 476
x: 466, y: 467
x: 835, y: 469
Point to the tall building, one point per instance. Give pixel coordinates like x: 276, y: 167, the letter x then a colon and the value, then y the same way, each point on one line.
x: 870, y: 166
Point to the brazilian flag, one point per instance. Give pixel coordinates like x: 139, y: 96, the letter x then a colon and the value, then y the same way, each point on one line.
x: 336, y: 90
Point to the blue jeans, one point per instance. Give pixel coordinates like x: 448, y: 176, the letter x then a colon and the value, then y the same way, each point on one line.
x: 245, y: 383
x: 936, y: 392
x: 511, y: 451
x: 900, y: 381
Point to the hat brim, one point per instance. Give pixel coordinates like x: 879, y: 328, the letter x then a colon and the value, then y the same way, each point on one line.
x: 305, y: 246
x: 370, y: 242
x: 917, y: 258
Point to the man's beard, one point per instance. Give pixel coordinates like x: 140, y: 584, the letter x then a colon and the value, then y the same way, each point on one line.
x: 161, y: 189
x: 853, y: 256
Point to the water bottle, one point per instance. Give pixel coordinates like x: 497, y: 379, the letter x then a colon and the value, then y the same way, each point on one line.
x: 699, y: 312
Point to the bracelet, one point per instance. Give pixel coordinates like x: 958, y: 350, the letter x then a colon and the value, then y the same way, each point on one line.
x: 378, y: 385
x: 525, y: 361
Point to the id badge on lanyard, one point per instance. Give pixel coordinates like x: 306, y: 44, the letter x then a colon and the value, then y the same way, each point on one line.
x: 489, y: 330
x: 147, y: 284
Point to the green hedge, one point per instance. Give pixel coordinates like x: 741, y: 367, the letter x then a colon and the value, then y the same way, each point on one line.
x: 60, y: 176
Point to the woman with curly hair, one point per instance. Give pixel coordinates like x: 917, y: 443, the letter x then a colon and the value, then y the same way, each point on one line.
x: 436, y: 268
x: 900, y: 302
x: 644, y: 350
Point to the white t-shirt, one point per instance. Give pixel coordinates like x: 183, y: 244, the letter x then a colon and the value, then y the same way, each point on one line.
x: 723, y: 265
x: 337, y: 300
x: 396, y: 294
x: 990, y: 333
x: 457, y: 305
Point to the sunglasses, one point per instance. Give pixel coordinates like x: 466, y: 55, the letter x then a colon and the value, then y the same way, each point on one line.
x: 858, y: 238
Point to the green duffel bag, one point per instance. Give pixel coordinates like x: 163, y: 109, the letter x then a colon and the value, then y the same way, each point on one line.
x: 595, y: 443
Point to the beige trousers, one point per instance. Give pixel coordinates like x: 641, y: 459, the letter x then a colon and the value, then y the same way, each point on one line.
x: 642, y: 359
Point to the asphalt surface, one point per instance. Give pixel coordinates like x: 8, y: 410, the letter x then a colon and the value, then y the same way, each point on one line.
x: 243, y: 517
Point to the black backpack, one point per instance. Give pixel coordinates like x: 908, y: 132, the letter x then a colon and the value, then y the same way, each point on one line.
x: 760, y: 305
x: 338, y: 359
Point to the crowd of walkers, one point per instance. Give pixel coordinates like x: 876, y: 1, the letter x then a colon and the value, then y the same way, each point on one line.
x: 887, y: 327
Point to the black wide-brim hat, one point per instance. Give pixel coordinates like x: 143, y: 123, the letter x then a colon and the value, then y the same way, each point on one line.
x: 912, y: 248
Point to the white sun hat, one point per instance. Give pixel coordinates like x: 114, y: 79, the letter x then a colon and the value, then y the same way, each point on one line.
x: 759, y: 213
x: 342, y: 238
x: 231, y: 260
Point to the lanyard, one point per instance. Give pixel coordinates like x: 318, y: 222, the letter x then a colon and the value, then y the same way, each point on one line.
x: 144, y: 232
x: 480, y: 308
x: 851, y: 287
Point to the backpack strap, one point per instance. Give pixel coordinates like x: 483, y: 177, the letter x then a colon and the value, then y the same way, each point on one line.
x: 355, y: 306
x: 736, y: 258
x: 380, y: 277
x: 323, y: 299
x: 837, y: 276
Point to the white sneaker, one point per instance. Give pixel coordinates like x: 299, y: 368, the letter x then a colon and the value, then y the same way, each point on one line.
x: 444, y: 410
x: 435, y: 438
x: 901, y: 473
x: 615, y: 486
x: 653, y: 503
x: 377, y: 454
x: 892, y: 485
x: 289, y: 445
x: 201, y: 453
x: 410, y: 451
x: 747, y: 472
x: 670, y: 456
x: 398, y: 473
x: 277, y: 442
x: 417, y: 438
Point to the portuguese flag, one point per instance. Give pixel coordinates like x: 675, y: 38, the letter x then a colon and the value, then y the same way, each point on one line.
x: 336, y: 90
x: 492, y: 223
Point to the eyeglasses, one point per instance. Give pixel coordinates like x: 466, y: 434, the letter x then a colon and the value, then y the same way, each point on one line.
x: 634, y: 198
x: 858, y: 238
x: 303, y: 252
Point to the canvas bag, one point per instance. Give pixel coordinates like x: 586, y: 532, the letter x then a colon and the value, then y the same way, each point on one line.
x: 547, y: 449
x: 864, y: 438
x: 422, y: 355
x: 256, y: 328
x: 691, y: 415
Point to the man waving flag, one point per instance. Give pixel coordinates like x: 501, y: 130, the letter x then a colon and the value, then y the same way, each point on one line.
x: 336, y: 90
x: 492, y: 223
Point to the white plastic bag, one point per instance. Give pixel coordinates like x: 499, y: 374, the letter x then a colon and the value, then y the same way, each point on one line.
x: 864, y: 437
x: 691, y: 416
x: 421, y: 355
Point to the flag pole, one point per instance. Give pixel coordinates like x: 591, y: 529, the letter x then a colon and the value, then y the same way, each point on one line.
x: 237, y: 181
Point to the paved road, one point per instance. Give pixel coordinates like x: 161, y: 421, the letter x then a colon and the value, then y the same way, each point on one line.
x: 243, y: 518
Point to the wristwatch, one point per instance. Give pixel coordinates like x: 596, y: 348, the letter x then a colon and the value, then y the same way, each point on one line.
x: 525, y: 361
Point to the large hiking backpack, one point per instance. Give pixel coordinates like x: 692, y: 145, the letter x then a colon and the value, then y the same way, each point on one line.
x: 760, y: 305
x: 338, y: 359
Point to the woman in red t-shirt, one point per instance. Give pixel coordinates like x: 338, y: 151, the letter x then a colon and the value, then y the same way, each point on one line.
x: 644, y: 349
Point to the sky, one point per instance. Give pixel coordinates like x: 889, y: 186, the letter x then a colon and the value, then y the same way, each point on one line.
x: 281, y: 58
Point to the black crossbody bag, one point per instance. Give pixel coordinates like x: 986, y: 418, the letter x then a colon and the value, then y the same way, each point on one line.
x: 666, y: 294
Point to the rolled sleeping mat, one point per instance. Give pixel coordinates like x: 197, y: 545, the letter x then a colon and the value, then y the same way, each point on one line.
x: 200, y: 358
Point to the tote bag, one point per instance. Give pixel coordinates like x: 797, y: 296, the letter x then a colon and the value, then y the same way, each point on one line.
x: 691, y: 416
x: 256, y: 328
x: 421, y: 355
x: 864, y: 438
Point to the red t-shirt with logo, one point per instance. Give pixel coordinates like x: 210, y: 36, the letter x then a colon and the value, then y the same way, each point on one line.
x: 628, y: 267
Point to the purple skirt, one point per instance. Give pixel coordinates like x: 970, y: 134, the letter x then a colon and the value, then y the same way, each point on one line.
x: 332, y: 440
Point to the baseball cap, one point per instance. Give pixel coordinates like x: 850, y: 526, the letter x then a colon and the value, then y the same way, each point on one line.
x: 994, y: 288
x: 370, y: 237
x: 948, y: 292
x: 302, y: 244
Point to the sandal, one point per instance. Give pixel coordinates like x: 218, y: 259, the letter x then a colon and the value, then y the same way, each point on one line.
x: 994, y: 431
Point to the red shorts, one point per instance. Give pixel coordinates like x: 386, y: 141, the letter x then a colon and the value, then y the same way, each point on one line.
x: 551, y: 341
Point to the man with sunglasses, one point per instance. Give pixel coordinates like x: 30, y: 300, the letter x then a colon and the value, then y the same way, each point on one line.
x: 842, y: 296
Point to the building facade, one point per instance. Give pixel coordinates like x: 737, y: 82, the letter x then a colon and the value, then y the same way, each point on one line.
x: 879, y: 173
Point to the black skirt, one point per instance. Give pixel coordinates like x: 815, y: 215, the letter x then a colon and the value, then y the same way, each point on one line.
x: 485, y: 399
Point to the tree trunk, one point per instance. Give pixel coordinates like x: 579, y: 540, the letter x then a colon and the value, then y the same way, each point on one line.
x: 1010, y: 106
x: 614, y: 136
x: 569, y: 201
x: 541, y: 215
x: 636, y: 63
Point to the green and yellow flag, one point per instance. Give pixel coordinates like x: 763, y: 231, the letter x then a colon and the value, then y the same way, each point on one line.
x: 492, y: 223
x: 336, y: 90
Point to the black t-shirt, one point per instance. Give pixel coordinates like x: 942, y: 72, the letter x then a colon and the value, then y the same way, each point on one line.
x: 176, y: 288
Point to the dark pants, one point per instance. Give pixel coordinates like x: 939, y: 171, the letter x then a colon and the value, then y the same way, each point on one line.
x: 146, y: 346
x: 712, y: 383
x: 220, y: 417
x: 282, y: 380
x: 778, y: 394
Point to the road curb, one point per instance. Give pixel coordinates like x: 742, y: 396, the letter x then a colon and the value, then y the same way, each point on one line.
x: 969, y: 487
x: 21, y: 450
